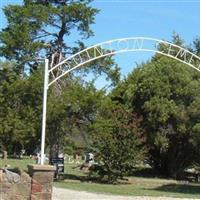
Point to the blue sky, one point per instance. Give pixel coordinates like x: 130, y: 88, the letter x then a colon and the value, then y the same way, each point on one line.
x: 126, y: 18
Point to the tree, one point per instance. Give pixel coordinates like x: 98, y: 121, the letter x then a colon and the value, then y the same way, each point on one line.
x: 40, y: 28
x: 20, y: 110
x: 116, y: 141
x: 70, y: 116
x: 166, y: 94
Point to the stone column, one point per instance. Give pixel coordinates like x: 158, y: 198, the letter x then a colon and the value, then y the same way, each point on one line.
x: 42, y: 181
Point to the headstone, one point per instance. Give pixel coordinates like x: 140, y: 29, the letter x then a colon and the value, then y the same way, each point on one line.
x: 5, y: 155
x: 38, y: 158
x: 89, y: 159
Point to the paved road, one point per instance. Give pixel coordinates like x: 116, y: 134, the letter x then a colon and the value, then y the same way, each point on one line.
x: 65, y: 194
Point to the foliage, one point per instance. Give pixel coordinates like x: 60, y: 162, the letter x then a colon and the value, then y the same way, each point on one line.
x: 21, y: 101
x: 116, y: 141
x: 20, y: 109
x: 166, y: 94
x: 42, y: 29
x: 67, y: 116
x: 38, y: 26
x: 70, y: 115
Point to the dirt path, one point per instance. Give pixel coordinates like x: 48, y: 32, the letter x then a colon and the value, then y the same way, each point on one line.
x: 65, y: 194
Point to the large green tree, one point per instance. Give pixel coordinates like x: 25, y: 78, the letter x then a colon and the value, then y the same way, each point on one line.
x: 68, y: 118
x: 39, y: 28
x: 20, y: 109
x: 166, y: 93
x: 51, y: 29
x: 70, y: 115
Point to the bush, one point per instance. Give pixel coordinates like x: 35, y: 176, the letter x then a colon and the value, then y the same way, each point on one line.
x: 117, y: 143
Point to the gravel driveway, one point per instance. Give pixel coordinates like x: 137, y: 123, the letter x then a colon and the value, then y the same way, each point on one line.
x: 65, y: 194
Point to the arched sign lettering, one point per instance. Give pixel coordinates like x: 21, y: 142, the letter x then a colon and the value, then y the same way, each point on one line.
x: 120, y: 46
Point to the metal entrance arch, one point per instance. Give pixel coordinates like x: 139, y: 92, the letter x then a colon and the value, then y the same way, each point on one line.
x: 109, y: 48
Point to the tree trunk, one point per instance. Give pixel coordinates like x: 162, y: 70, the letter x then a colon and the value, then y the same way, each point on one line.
x: 54, y: 146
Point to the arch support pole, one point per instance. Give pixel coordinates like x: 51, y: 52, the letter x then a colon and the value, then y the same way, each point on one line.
x: 46, y: 76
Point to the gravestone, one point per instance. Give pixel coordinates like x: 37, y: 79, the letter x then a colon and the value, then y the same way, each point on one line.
x: 5, y: 155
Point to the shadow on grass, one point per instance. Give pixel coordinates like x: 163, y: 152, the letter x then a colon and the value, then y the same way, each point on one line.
x: 146, y: 173
x: 90, y: 179
x: 74, y: 177
x: 179, y: 188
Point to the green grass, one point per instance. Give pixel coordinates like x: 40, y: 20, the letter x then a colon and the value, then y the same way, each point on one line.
x: 20, y: 163
x: 142, y: 188
x: 138, y: 186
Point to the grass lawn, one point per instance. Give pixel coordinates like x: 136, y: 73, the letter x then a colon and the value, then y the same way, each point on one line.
x: 13, y: 163
x: 143, y: 187
x: 138, y: 186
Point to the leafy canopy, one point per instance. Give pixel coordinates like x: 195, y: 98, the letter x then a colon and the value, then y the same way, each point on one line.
x: 165, y: 93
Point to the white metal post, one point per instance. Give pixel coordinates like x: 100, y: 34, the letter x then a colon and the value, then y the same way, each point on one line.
x: 46, y: 77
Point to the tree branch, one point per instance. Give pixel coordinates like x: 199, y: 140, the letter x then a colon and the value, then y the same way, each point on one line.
x: 46, y: 32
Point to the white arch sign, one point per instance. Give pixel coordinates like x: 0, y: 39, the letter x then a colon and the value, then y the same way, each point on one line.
x: 120, y: 46
x: 109, y: 48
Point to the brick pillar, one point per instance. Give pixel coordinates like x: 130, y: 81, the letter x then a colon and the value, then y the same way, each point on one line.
x: 42, y: 181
